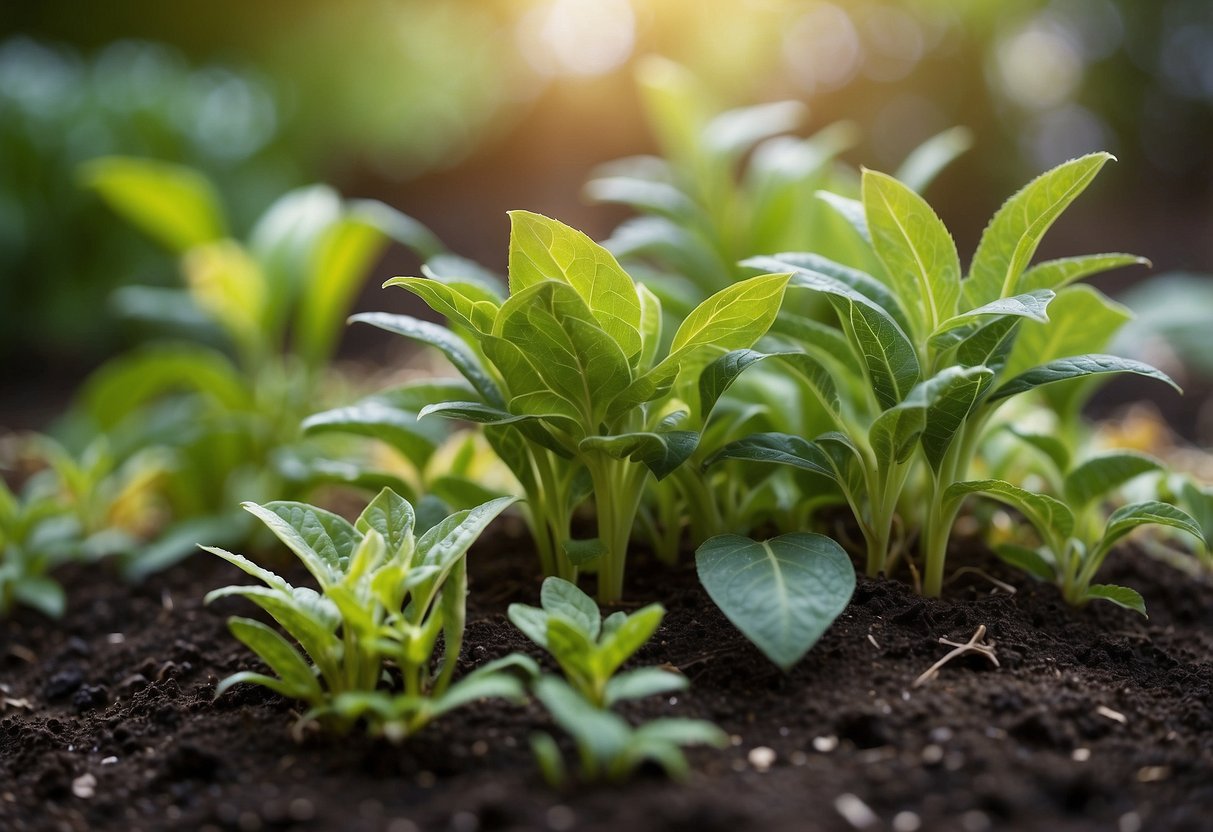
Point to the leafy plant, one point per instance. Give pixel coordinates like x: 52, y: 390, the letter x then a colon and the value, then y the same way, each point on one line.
x: 252, y: 334
x: 608, y: 748
x: 589, y: 650
x: 570, y: 380
x: 37, y: 533
x: 921, y: 360
x: 385, y: 595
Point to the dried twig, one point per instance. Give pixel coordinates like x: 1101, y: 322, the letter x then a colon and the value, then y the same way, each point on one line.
x: 973, y: 645
x: 981, y: 573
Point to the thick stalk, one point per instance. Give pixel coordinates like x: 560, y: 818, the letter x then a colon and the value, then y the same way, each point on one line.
x: 618, y: 485
x: 937, y: 526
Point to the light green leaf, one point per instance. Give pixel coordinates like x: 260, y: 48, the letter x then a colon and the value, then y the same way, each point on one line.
x: 1056, y: 274
x: 1010, y: 240
x: 445, y: 543
x: 40, y: 593
x: 1027, y: 560
x: 531, y: 621
x: 782, y: 593
x: 650, y: 326
x: 915, y: 247
x: 323, y: 541
x: 340, y: 262
x: 850, y: 210
x: 1050, y: 517
x: 1077, y: 366
x: 172, y: 204
x: 601, y: 733
x: 862, y: 282
x: 1121, y: 596
x: 1054, y: 449
x: 477, y: 687
x: 733, y: 318
x: 1126, y: 518
x: 262, y: 574
x: 661, y: 452
x: 559, y: 597
x: 1082, y: 320
x: 377, y: 419
x: 647, y: 195
x: 1104, y: 473
x: 947, y: 411
x: 392, y: 517
x: 643, y: 682
x: 457, y: 352
x: 734, y: 132
x: 618, y: 645
x: 543, y: 249
x: 1032, y: 305
x: 448, y: 300
x: 278, y: 653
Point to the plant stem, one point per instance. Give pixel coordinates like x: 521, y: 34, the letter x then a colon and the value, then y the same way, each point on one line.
x: 618, y: 485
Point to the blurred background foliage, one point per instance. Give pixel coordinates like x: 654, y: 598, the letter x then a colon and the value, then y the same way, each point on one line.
x: 455, y: 111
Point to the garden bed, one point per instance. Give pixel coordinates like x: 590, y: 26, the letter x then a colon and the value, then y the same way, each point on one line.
x: 1095, y: 718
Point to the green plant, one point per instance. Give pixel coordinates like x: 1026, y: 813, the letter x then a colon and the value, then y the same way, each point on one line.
x: 37, y: 533
x: 921, y: 360
x: 590, y: 650
x: 608, y: 748
x: 385, y: 595
x: 570, y: 380
x: 252, y: 334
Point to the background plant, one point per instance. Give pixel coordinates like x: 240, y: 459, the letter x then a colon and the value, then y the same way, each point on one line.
x: 385, y: 595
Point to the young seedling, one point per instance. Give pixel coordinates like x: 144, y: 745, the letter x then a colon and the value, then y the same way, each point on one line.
x: 570, y: 375
x: 37, y: 533
x: 589, y: 650
x: 385, y: 595
x: 936, y: 355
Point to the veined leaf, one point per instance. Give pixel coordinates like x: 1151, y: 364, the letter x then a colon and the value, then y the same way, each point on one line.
x: 391, y: 516
x: 850, y: 210
x: 457, y: 352
x: 1032, y: 305
x: 378, y: 420
x: 989, y: 343
x: 939, y: 405
x: 1104, y: 473
x: 887, y: 353
x: 322, y: 540
x: 1082, y: 320
x: 781, y: 593
x: 1121, y: 596
x: 661, y: 452
x: 718, y: 376
x: 543, y: 249
x: 733, y: 318
x: 283, y: 659
x: 860, y: 281
x: 1149, y: 512
x: 950, y: 408
x: 1010, y: 240
x: 1076, y: 367
x: 779, y: 449
x: 559, y: 336
x: 448, y: 300
x: 1056, y: 274
x: 915, y: 247
x: 560, y: 597
x: 1051, y: 517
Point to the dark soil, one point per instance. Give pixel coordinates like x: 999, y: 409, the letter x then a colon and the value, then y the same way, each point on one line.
x: 1096, y: 719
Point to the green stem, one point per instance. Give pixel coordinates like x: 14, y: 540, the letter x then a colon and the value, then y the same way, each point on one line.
x: 618, y: 485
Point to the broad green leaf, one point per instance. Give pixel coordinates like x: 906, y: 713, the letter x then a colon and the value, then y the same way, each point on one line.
x: 645, y: 195
x: 1126, y: 518
x: 340, y: 263
x: 782, y: 593
x: 309, y: 617
x: 132, y: 380
x: 278, y: 653
x: 1076, y: 367
x: 1050, y: 517
x: 475, y: 412
x: 262, y: 574
x: 860, y: 281
x: 585, y: 551
x: 650, y: 326
x: 1121, y: 596
x: 1032, y: 306
x: 1010, y: 240
x: 559, y: 597
x: 172, y: 204
x: 1104, y: 473
x: 574, y: 651
x: 1054, y: 449
x: 1027, y: 560
x: 915, y: 247
x: 989, y: 344
x: 1057, y: 274
x: 778, y: 449
x: 322, y: 540
x: 379, y: 420
x: 733, y: 318
x: 450, y: 539
x: 451, y: 302
x: 718, y: 376
x: 680, y: 731
x: 549, y: 760
x: 391, y: 516
x: 531, y: 621
x: 617, y: 646
x: 887, y: 353
x: 643, y: 682
x: 457, y: 352
x: 1199, y: 503
x: 947, y: 412
x: 40, y: 593
x: 477, y: 687
x: 248, y: 677
x: 1081, y: 320
x: 824, y: 342
x: 602, y: 734
x: 543, y: 249
x: 562, y: 341
x: 926, y: 161
x: 660, y: 452
x: 227, y: 284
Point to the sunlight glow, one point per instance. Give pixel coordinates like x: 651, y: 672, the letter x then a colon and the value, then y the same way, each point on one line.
x: 578, y: 37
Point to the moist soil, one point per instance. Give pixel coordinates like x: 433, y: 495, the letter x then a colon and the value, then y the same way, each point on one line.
x: 1094, y: 719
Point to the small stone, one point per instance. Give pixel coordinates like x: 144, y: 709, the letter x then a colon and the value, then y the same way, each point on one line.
x: 855, y: 812
x: 560, y: 818
x: 115, y: 638
x: 63, y: 683
x: 109, y: 761
x: 825, y: 744
x: 932, y: 755
x: 761, y: 758
x: 906, y: 822
x: 480, y: 748
x: 1080, y: 755
x: 1129, y: 822
x: 301, y: 809
x: 84, y: 786
x: 1153, y: 774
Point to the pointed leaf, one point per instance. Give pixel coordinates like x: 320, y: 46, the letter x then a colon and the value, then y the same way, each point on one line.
x: 451, y: 302
x: 559, y: 597
x: 1126, y: 518
x: 278, y: 653
x: 660, y: 452
x: 1105, y: 473
x: 926, y: 161
x: 1027, y: 560
x: 643, y: 682
x: 1057, y: 274
x: 1051, y: 518
x: 392, y: 517
x: 1076, y: 367
x: 850, y: 210
x: 1010, y: 240
x: 617, y: 646
x: 1121, y: 596
x: 733, y: 318
x: 782, y: 593
x: 323, y: 541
